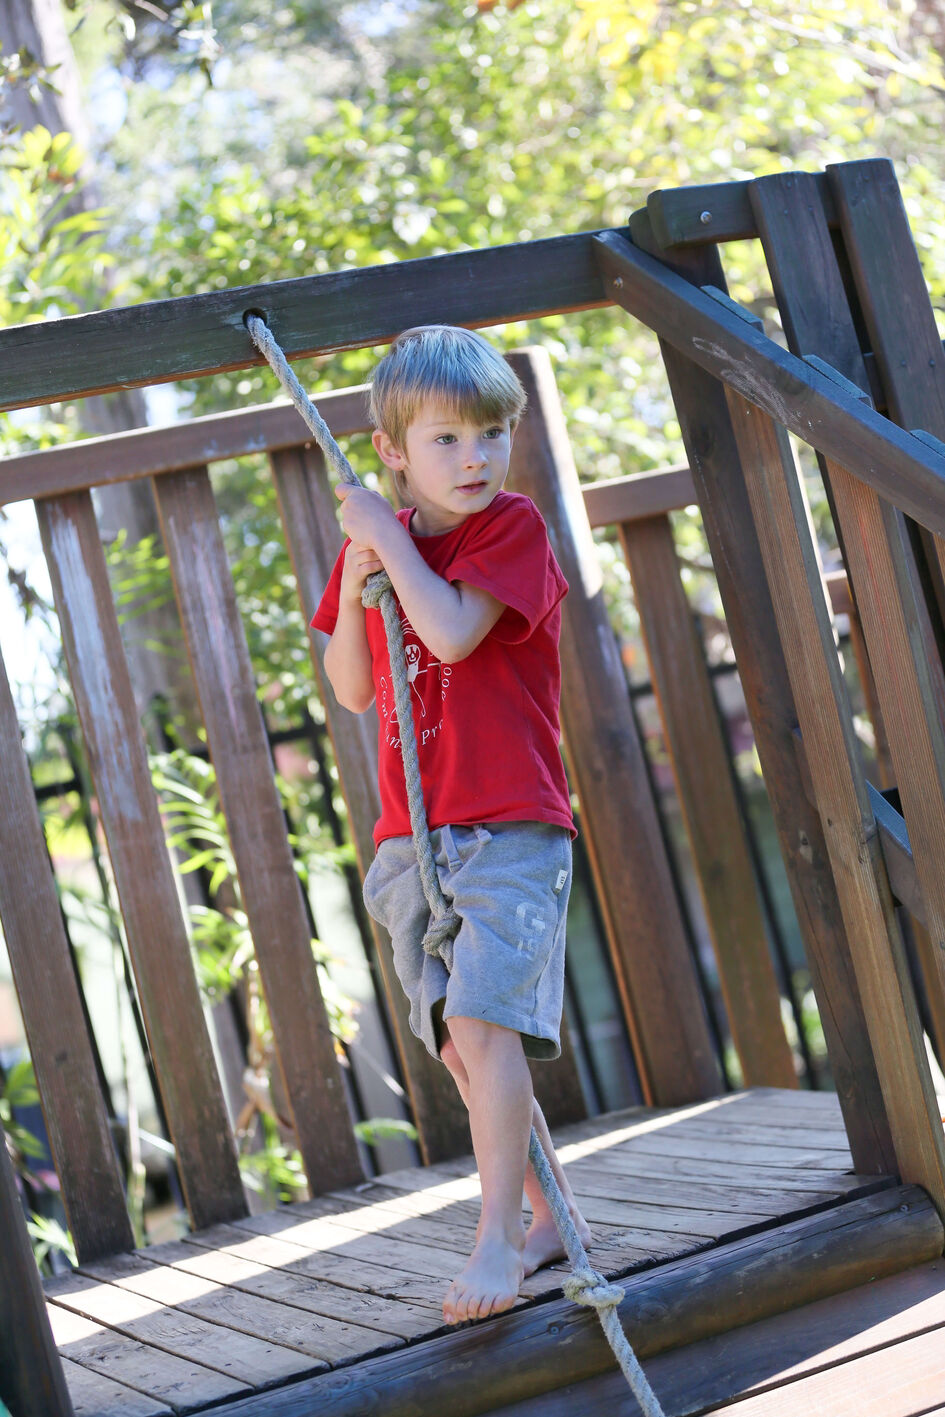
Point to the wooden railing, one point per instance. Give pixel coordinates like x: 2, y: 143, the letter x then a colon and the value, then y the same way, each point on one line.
x: 845, y: 276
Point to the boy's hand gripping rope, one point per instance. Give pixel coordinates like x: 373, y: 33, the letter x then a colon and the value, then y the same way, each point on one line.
x: 585, y: 1286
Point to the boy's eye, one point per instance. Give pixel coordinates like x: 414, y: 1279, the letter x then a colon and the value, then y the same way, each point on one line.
x: 494, y: 432
x: 446, y: 438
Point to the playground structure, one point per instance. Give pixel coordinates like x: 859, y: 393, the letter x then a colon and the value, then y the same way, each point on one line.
x: 864, y: 365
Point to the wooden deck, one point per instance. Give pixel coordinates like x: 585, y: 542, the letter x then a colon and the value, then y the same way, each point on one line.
x: 293, y: 1293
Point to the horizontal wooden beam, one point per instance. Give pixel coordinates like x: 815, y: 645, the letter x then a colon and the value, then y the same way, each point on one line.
x: 643, y: 494
x: 194, y: 335
x: 905, y: 469
x: 150, y: 452
x: 720, y: 211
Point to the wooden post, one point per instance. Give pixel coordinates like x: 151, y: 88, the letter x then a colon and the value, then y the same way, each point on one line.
x: 82, y: 1145
x: 706, y: 792
x: 31, y: 1378
x: 654, y: 967
x: 157, y: 939
x: 877, y: 545
x: 781, y: 520
x: 733, y: 542
x: 269, y: 886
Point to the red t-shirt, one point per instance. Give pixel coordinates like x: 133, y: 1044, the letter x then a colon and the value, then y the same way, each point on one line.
x: 487, y: 728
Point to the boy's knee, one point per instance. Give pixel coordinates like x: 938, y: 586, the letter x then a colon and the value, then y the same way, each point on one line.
x: 449, y: 1054
x: 476, y: 1039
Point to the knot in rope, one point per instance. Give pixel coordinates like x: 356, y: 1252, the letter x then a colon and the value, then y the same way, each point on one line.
x: 587, y: 1287
x: 375, y: 588
x: 440, y: 935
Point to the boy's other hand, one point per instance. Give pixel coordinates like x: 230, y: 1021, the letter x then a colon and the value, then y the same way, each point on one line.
x: 360, y: 562
x: 366, y: 516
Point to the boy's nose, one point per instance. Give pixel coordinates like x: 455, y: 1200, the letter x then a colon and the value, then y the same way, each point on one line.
x: 475, y: 456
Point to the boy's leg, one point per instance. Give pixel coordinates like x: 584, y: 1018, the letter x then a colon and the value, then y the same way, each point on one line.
x: 542, y: 1241
x: 499, y: 1088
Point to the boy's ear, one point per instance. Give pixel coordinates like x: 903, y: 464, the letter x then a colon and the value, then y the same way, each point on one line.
x: 387, y: 450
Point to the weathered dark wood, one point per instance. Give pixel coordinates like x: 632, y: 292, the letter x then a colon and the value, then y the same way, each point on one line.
x: 269, y: 886
x: 903, y: 468
x: 706, y: 792
x: 726, y: 515
x: 645, y: 494
x: 157, y: 940
x: 653, y: 964
x: 856, y: 1342
x: 782, y: 521
x: 314, y: 538
x: 73, y: 1107
x: 897, y: 853
x: 148, y: 452
x: 31, y: 1378
x: 524, y: 1354
x: 874, y: 535
x: 704, y: 215
x: 204, y: 334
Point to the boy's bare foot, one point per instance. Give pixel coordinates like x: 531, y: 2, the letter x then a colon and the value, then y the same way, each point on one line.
x: 543, y: 1243
x: 487, y: 1285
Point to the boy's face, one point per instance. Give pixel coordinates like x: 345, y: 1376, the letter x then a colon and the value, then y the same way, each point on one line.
x: 452, y: 467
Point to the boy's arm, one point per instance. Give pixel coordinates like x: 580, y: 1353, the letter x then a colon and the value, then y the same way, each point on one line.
x: 450, y: 619
x: 348, y: 654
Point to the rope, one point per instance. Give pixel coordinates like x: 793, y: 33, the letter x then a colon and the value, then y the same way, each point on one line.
x: 585, y: 1286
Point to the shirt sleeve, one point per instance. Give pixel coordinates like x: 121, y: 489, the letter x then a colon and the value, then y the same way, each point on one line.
x: 510, y: 556
x: 326, y: 616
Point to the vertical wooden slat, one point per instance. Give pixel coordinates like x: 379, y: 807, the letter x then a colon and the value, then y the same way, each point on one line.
x: 797, y: 590
x: 706, y: 792
x: 654, y: 967
x: 73, y: 1107
x: 876, y: 543
x: 269, y: 886
x: 733, y: 543
x: 31, y: 1378
x: 157, y: 940
x: 314, y: 539
x: 897, y: 312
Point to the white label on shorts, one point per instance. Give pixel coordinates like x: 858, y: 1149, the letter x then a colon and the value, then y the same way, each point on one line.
x: 559, y: 883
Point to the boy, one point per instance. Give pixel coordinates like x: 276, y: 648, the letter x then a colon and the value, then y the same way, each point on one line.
x: 479, y: 593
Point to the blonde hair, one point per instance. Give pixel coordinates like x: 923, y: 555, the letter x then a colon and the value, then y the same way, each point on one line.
x: 456, y: 367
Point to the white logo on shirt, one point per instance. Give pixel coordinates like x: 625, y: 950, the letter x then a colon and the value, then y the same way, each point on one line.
x: 426, y: 677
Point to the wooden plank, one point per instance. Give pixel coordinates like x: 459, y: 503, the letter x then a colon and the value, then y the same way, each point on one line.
x: 269, y: 886
x: 710, y: 213
x: 263, y: 1323
x: 368, y: 1276
x: 653, y: 963
x: 314, y: 538
x: 283, y: 1285
x: 900, y: 466
x: 179, y: 1331
x: 773, y: 1353
x: 703, y: 773
x: 157, y: 940
x: 644, y: 494
x: 183, y: 1384
x: 204, y: 334
x: 904, y: 661
x: 726, y: 516
x: 147, y: 452
x: 91, y: 1184
x: 533, y: 1351
x: 781, y: 518
x: 94, y: 1395
x: 31, y: 1379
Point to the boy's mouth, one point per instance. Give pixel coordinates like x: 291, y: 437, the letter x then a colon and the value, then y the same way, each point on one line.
x: 472, y: 486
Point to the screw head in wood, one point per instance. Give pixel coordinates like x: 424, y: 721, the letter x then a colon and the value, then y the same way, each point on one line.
x: 705, y: 218
x: 618, y: 282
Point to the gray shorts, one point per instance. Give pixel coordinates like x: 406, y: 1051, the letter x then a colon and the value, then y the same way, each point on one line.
x: 509, y: 882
